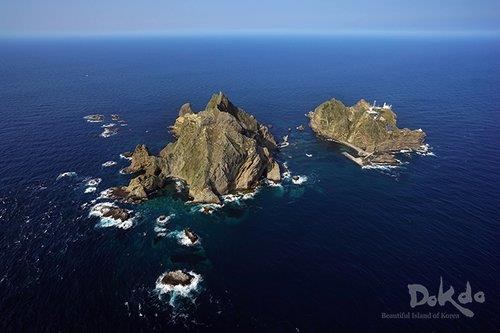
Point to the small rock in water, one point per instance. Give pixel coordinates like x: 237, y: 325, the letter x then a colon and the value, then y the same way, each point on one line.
x: 115, y: 213
x: 94, y: 118
x: 191, y: 235
x: 115, y: 117
x: 207, y: 210
x: 299, y: 180
x: 109, y: 131
x: 300, y: 128
x: 175, y: 278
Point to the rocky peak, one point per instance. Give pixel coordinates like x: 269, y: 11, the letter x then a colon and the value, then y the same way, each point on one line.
x: 217, y: 151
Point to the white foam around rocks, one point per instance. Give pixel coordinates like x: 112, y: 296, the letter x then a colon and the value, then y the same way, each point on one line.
x: 165, y: 220
x: 301, y: 180
x: 93, y: 182
x: 108, y: 164
x: 178, y: 290
x: 125, y: 158
x: 425, y: 150
x: 66, y: 174
x: 109, y: 131
x: 90, y: 189
x: 182, y: 238
x: 106, y: 222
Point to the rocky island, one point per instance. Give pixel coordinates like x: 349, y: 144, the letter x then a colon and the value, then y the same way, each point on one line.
x: 217, y: 151
x: 369, y: 130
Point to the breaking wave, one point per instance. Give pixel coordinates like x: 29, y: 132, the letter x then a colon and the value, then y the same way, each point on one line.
x: 66, y: 174
x: 425, y: 150
x: 299, y: 180
x: 108, y: 164
x: 182, y: 238
x: 93, y: 182
x: 162, y: 220
x: 90, y: 189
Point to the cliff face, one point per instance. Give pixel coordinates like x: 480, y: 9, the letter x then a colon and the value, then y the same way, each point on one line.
x: 216, y: 151
x: 370, y: 131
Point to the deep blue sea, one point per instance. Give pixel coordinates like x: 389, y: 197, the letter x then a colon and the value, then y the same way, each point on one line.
x: 333, y: 254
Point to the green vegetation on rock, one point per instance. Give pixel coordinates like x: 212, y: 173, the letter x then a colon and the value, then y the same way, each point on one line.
x: 371, y: 131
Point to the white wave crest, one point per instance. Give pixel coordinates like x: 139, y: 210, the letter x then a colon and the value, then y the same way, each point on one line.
x: 90, y: 189
x: 66, y: 174
x: 162, y: 220
x: 270, y: 183
x: 108, y: 164
x: 125, y: 157
x: 207, y: 208
x: 237, y: 197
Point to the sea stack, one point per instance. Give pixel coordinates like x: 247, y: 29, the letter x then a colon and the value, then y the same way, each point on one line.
x: 369, y: 130
x: 217, y: 151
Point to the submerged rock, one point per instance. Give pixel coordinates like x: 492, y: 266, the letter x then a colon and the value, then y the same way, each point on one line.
x: 219, y: 150
x: 178, y: 277
x: 369, y: 130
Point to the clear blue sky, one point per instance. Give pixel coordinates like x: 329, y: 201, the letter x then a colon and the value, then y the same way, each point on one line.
x: 233, y: 16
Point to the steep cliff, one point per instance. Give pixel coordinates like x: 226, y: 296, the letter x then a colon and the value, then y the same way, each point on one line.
x: 217, y: 151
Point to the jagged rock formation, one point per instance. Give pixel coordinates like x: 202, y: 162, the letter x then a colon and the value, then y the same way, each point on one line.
x: 372, y: 132
x: 217, y: 151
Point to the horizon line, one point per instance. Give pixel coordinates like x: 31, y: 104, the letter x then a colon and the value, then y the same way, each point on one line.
x: 257, y: 33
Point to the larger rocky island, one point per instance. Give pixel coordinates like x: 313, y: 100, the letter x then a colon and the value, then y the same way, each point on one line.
x: 217, y: 151
x: 369, y: 130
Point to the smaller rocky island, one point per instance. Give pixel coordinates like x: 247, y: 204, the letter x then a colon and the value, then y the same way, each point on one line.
x: 368, y: 130
x: 217, y: 151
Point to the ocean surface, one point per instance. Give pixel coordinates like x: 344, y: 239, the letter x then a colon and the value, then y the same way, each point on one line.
x: 334, y: 253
